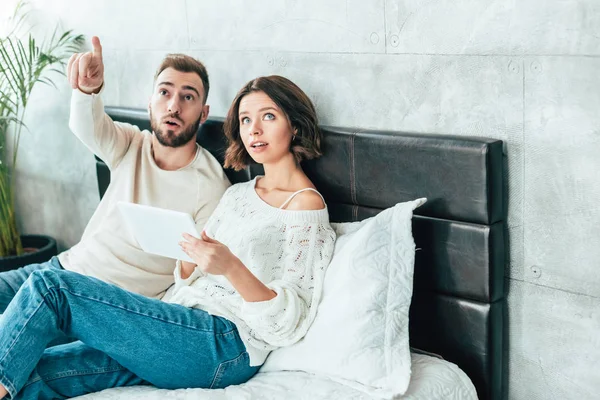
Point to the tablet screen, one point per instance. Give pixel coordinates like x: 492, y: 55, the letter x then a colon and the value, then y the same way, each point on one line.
x: 158, y: 230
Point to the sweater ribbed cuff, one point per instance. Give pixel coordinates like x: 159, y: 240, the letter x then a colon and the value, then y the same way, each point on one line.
x: 179, y: 282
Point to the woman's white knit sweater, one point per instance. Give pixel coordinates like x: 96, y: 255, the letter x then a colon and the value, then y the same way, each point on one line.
x: 287, y: 250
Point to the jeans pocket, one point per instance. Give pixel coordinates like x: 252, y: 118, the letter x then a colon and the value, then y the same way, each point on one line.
x: 233, y: 372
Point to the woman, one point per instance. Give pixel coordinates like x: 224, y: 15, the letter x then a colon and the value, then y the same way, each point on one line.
x: 255, y: 285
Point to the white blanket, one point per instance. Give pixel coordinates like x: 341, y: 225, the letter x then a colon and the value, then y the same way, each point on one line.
x: 431, y: 379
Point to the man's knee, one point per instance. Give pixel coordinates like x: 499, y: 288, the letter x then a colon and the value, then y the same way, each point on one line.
x: 47, y: 277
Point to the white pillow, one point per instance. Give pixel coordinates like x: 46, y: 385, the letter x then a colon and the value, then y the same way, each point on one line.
x: 360, y: 334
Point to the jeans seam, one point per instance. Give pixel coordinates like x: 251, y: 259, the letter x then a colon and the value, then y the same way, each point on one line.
x: 61, y: 375
x: 74, y: 373
x: 221, y: 369
x: 8, y: 385
x: 143, y: 314
x: 14, y: 340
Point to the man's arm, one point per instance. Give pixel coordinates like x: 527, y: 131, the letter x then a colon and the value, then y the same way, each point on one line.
x: 88, y: 120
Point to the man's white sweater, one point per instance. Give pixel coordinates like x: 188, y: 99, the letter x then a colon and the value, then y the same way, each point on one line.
x: 108, y: 250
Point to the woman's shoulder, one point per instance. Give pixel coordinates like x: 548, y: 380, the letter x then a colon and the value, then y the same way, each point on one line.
x: 305, y: 196
x: 307, y: 200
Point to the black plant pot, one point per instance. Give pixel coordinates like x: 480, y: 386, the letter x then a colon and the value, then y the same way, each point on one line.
x: 46, y: 248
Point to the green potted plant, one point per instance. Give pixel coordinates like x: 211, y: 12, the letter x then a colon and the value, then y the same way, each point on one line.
x: 23, y: 63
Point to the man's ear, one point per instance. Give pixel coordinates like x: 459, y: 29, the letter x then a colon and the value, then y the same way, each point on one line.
x: 204, y: 114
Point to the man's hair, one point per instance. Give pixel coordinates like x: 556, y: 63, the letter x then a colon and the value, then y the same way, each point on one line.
x: 296, y: 106
x: 185, y: 63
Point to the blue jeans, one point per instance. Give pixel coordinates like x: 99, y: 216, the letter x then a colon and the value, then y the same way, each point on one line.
x: 11, y: 281
x: 123, y: 339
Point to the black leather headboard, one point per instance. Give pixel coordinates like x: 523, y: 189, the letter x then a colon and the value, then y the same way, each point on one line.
x: 459, y: 301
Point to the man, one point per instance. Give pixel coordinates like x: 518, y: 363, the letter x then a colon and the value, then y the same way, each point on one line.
x: 163, y: 168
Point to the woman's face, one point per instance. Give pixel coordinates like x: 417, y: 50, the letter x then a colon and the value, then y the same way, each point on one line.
x: 264, y: 128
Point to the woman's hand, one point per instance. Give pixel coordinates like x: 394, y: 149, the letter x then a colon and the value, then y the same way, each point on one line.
x: 210, y: 255
x: 213, y: 257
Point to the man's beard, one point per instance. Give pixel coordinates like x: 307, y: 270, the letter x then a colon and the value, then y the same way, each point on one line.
x: 169, y: 138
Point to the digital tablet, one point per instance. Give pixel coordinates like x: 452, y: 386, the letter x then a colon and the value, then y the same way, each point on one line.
x: 158, y: 230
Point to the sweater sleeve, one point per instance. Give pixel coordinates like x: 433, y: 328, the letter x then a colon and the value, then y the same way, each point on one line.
x: 97, y: 131
x: 180, y: 282
x: 285, y: 319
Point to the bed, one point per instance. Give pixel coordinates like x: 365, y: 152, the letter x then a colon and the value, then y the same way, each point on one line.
x: 458, y: 305
x: 433, y: 379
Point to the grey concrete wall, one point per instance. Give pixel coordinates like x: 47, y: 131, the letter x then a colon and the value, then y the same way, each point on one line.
x: 526, y: 72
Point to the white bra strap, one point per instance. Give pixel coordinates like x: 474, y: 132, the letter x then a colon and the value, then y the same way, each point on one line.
x: 300, y: 191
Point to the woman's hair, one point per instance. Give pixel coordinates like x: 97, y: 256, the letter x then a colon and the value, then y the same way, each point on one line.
x: 297, y: 107
x: 185, y: 63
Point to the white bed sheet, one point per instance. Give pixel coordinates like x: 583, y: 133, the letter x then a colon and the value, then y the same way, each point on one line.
x: 432, y: 379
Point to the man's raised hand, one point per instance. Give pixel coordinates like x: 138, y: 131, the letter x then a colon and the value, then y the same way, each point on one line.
x: 85, y: 71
